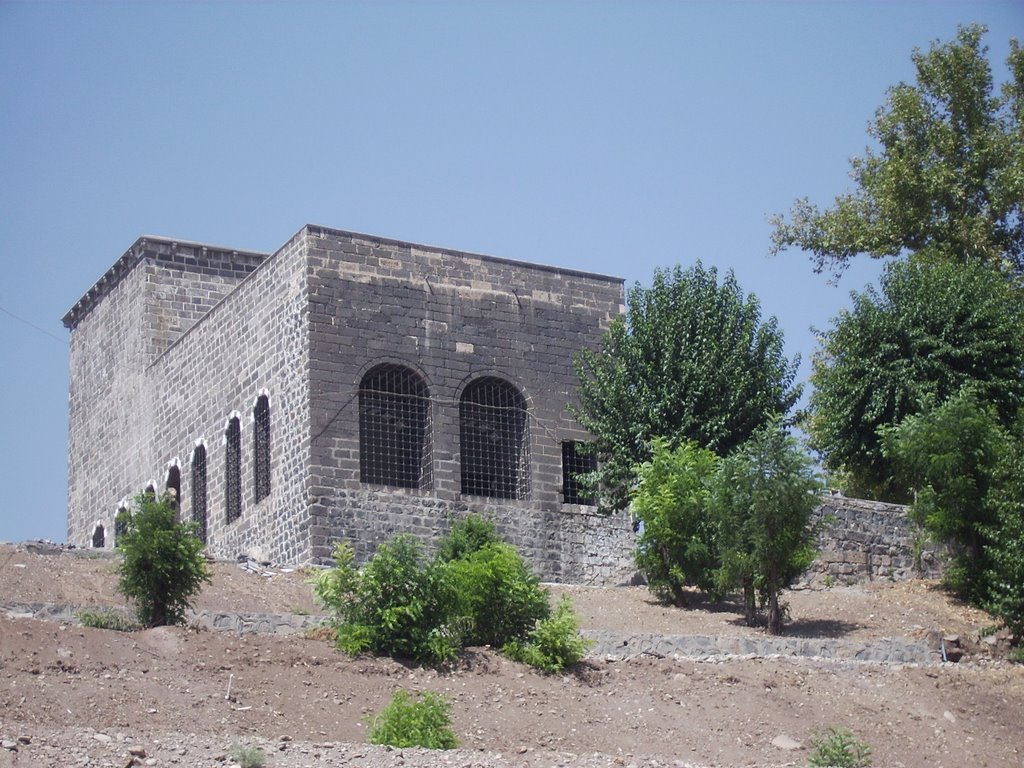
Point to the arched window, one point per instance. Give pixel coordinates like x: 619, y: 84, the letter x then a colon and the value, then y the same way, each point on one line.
x: 233, y: 470
x: 261, y: 448
x: 98, y: 537
x: 394, y: 428
x: 120, y: 522
x: 199, y: 491
x: 494, y: 440
x: 173, y: 487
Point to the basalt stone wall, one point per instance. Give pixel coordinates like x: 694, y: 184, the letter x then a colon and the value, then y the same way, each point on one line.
x: 865, y: 540
x: 251, y: 344
x: 109, y: 410
x: 451, y: 318
x: 152, y: 294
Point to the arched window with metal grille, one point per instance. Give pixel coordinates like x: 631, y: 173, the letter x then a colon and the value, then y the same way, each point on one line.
x: 199, y: 491
x: 394, y: 428
x: 233, y: 470
x: 261, y: 448
x: 494, y: 440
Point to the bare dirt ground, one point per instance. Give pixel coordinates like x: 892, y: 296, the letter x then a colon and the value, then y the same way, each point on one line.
x: 75, y: 696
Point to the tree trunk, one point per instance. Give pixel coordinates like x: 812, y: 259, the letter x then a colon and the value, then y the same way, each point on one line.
x: 774, y: 614
x: 749, y: 604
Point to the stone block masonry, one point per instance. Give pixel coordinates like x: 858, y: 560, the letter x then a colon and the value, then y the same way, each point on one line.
x: 406, y: 386
x: 866, y: 540
x: 397, y: 388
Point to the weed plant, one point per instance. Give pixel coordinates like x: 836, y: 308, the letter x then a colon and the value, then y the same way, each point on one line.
x: 409, y: 723
x: 106, y: 618
x: 837, y: 747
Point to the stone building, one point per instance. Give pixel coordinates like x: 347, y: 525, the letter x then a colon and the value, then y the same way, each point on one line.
x: 345, y: 387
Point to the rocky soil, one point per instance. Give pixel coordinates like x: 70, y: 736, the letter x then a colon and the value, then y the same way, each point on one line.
x: 74, y: 696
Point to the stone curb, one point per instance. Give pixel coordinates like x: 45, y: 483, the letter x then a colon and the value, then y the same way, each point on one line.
x: 617, y: 644
x: 885, y: 650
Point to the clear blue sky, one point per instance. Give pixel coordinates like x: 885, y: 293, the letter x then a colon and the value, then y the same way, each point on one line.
x: 614, y: 137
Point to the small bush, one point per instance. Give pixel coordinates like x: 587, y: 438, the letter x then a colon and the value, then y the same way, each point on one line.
x: 555, y: 644
x: 248, y: 757
x: 163, y: 568
x: 496, y: 594
x: 837, y: 747
x: 408, y: 723
x: 468, y: 535
x: 106, y: 618
x: 398, y: 604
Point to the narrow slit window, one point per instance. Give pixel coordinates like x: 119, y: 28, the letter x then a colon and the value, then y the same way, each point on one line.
x: 261, y: 448
x: 494, y: 440
x: 577, y: 460
x: 173, y: 488
x: 199, y: 491
x: 120, y: 523
x: 394, y: 428
x: 233, y: 470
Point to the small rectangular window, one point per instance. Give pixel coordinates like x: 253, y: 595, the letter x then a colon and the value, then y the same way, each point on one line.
x: 577, y: 459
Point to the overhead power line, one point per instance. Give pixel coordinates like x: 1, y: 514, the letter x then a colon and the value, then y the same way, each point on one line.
x: 33, y: 326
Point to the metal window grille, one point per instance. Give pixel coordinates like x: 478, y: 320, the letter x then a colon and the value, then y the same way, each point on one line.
x: 173, y: 488
x: 199, y: 491
x: 394, y: 428
x: 261, y: 448
x: 233, y: 471
x: 576, y: 460
x: 494, y: 440
x: 98, y: 537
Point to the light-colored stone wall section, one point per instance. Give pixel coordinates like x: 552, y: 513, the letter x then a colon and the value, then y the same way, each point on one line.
x: 865, y: 540
x: 110, y: 410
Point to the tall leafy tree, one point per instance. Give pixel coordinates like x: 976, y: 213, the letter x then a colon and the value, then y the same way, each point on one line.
x: 946, y: 175
x: 764, y: 495
x: 934, y: 327
x: 690, y: 361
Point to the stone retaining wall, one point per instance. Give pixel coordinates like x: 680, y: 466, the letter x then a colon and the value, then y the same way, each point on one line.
x: 865, y: 540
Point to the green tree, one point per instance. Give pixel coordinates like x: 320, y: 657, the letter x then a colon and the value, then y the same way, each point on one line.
x: 764, y: 495
x: 1005, y: 551
x: 948, y: 455
x: 691, y: 360
x: 934, y: 328
x: 678, y: 544
x: 162, y: 567
x: 947, y: 176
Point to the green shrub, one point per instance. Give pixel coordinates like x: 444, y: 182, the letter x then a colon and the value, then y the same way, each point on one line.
x: 555, y: 644
x: 477, y: 591
x: 468, y: 535
x: 837, y: 747
x: 496, y: 594
x: 248, y: 757
x: 398, y: 604
x: 163, y: 567
x: 678, y: 545
x: 1005, y: 578
x: 106, y: 618
x: 408, y: 723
